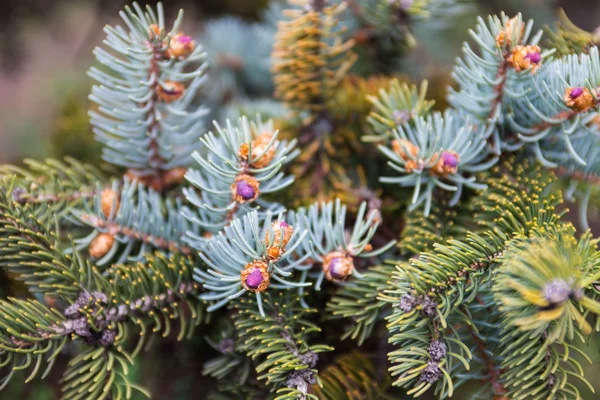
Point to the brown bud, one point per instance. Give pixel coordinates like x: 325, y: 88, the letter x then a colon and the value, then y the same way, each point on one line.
x: 154, y: 31
x: 410, y: 165
x: 245, y: 189
x: 108, y: 197
x: 578, y: 98
x: 101, y: 245
x: 259, y: 146
x: 180, y: 45
x: 243, y: 152
x: 504, y: 38
x: 170, y: 91
x: 399, y: 145
x: 523, y: 57
x: 273, y: 253
x: 255, y: 276
x: 275, y: 248
x: 174, y: 176
x: 337, y: 266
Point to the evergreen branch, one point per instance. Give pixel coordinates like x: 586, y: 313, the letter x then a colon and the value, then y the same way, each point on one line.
x: 277, y: 342
x: 396, y: 106
x: 31, y: 250
x: 114, y: 229
x: 99, y: 373
x: 239, y: 165
x: 357, y: 302
x: 145, y: 117
x: 310, y: 58
x: 28, y: 338
x: 333, y: 245
x: 353, y: 376
x: 251, y: 255
x: 440, y: 151
x: 60, y: 185
x: 133, y: 219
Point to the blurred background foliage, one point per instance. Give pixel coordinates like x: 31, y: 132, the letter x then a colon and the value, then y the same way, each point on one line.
x: 45, y: 53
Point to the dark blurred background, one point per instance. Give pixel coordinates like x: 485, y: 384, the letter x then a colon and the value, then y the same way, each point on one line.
x: 45, y: 51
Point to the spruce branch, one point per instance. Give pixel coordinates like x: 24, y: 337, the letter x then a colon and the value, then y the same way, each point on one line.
x: 130, y: 218
x: 28, y: 340
x: 440, y: 151
x: 277, y: 341
x: 59, y: 185
x: 252, y: 256
x: 32, y: 251
x: 98, y: 374
x: 145, y: 118
x: 310, y: 57
x: 336, y: 247
x: 239, y: 164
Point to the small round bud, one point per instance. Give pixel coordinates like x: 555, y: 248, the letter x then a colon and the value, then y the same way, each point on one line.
x: 401, y: 116
x: 101, y: 245
x: 154, y: 31
x: 108, y: 198
x: 259, y: 146
x: 337, y: 266
x: 276, y: 247
x: 174, y: 176
x: 108, y: 338
x: 407, y: 303
x: 277, y: 227
x: 255, y: 276
x: 245, y: 189
x: 447, y: 164
x: 180, y: 45
x: 170, y: 91
x: 399, y: 147
x: 504, y: 37
x: 428, y: 307
x: 557, y: 291
x: 431, y: 373
x: 243, y: 152
x: 437, y: 350
x: 18, y: 195
x: 524, y: 57
x: 578, y: 98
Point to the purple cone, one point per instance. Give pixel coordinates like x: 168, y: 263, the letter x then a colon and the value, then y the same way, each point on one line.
x: 254, y: 279
x: 449, y: 159
x: 244, y: 190
x: 576, y: 92
x: 535, y: 58
x: 336, y: 268
x: 184, y: 39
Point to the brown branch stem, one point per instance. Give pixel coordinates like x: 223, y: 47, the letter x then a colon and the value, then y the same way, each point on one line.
x: 113, y: 228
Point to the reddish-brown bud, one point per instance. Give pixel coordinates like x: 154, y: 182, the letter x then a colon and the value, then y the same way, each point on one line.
x: 108, y: 198
x: 101, y: 245
x: 170, y: 91
x: 399, y: 147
